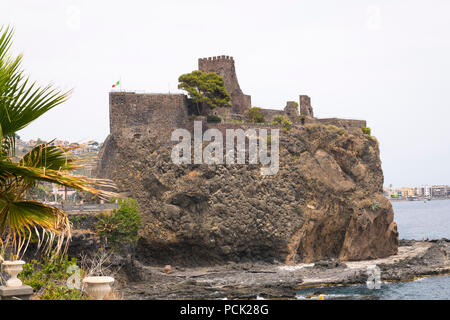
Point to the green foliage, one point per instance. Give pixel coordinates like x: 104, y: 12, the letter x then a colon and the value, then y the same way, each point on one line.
x: 205, y: 88
x: 287, y: 125
x: 61, y: 292
x: 277, y: 120
x: 39, y: 275
x: 366, y: 130
x: 254, y: 115
x: 49, y: 279
x: 213, y: 119
x: 122, y: 225
x: 237, y: 121
x: 375, y: 205
x: 76, y: 220
x: 21, y: 103
x: 192, y: 117
x: 280, y: 120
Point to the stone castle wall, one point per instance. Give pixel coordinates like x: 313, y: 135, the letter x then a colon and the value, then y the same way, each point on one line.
x: 305, y: 106
x: 344, y: 123
x: 269, y: 114
x: 222, y: 127
x: 157, y: 113
x: 160, y: 112
x: 224, y: 66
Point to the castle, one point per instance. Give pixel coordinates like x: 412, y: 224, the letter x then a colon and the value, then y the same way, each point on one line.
x: 319, y: 206
x: 161, y: 111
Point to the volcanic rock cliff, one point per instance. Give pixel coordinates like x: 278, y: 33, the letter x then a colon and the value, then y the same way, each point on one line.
x: 326, y: 200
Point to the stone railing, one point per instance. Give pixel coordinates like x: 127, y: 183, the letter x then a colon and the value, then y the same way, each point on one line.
x: 87, y: 207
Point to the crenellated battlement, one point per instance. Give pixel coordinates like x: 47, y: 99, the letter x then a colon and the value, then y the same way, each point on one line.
x: 216, y: 58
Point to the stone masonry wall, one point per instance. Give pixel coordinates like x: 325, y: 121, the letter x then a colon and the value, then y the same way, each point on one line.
x: 160, y: 112
x: 345, y: 123
x: 305, y: 106
x: 269, y: 114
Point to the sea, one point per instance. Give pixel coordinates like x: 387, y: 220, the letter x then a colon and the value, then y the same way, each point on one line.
x: 416, y: 220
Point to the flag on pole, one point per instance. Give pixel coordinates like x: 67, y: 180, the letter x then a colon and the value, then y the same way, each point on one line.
x: 116, y: 84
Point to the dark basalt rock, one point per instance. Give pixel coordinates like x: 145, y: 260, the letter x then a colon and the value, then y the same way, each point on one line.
x: 325, y: 202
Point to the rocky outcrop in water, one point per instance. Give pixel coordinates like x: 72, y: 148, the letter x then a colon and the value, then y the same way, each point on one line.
x: 325, y: 202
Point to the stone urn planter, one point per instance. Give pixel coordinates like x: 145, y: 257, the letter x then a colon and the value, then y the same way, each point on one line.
x: 13, y: 268
x: 98, y: 287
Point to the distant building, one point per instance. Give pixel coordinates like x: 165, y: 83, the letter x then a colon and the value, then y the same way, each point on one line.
x: 424, y: 191
x: 62, y: 191
x: 408, y: 192
x: 58, y: 142
x: 439, y: 191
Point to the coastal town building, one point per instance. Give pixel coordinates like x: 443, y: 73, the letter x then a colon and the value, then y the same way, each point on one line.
x: 439, y: 191
x: 424, y: 191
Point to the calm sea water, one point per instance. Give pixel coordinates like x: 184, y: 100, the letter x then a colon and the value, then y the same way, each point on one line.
x: 418, y: 219
x: 415, y: 220
x: 430, y: 288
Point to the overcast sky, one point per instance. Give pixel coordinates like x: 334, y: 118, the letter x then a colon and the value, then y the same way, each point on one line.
x: 383, y: 61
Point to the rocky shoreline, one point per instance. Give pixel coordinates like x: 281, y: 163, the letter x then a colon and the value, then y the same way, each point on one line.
x: 414, y: 259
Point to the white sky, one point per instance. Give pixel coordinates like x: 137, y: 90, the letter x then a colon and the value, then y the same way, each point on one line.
x: 383, y: 61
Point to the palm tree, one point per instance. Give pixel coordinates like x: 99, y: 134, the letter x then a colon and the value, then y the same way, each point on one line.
x: 22, y: 102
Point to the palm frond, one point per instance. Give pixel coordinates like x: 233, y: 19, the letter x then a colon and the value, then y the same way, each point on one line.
x: 52, y: 157
x: 22, y: 102
x: 21, y: 218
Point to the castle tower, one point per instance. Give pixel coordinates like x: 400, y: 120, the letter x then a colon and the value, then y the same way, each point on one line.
x: 224, y: 66
x: 305, y: 106
x: 291, y: 109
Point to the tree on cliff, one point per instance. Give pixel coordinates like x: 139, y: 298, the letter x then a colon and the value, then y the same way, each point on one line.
x: 22, y: 102
x: 205, y: 89
x: 254, y: 115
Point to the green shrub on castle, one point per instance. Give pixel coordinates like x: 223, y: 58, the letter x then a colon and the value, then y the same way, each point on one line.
x: 366, y: 130
x: 280, y: 120
x: 121, y: 225
x: 254, y: 115
x: 277, y: 120
x: 213, y: 119
x: 205, y: 89
x: 287, y: 125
